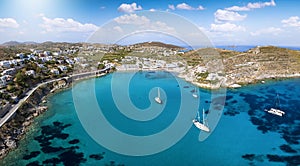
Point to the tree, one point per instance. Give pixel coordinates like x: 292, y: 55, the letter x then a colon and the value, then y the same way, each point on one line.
x: 101, y: 66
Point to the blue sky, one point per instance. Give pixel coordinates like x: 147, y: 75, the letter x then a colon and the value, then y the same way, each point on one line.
x: 225, y: 22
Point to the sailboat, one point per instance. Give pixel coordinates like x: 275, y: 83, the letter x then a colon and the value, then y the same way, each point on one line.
x: 157, y: 98
x: 195, y: 95
x: 276, y: 110
x: 202, y: 126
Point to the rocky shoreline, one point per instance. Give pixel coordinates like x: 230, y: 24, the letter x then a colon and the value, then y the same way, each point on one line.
x: 16, y: 128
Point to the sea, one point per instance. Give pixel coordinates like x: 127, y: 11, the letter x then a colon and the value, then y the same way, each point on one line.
x: 240, y: 48
x: 114, y: 120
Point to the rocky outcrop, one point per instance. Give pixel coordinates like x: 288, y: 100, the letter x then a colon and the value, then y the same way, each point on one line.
x: 12, y: 131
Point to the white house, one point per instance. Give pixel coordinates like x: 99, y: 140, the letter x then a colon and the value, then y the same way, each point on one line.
x: 30, y: 72
x: 9, y: 71
x: 2, y: 81
x: 69, y: 61
x: 21, y: 55
x: 55, y: 71
x: 5, y: 64
x: 62, y: 68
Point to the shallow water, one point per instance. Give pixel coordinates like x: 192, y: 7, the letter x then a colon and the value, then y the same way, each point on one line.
x: 245, y: 134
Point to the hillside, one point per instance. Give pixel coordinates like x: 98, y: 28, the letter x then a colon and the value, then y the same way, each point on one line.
x: 157, y: 44
x: 243, y: 67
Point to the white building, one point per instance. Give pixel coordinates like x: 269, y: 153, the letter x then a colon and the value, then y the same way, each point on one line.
x: 55, y: 71
x: 2, y: 81
x: 9, y: 71
x: 5, y: 64
x: 30, y: 72
x: 69, y: 61
x: 62, y: 68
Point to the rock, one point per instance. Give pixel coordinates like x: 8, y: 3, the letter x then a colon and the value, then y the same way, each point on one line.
x: 2, y: 152
x: 10, y: 143
x: 27, y: 123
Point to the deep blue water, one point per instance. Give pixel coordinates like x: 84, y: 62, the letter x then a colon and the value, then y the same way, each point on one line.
x: 245, y: 134
x: 242, y: 48
x: 246, y: 48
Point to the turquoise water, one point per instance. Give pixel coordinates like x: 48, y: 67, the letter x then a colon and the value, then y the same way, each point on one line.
x: 245, y: 134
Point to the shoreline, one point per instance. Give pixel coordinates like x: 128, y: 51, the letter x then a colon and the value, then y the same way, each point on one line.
x: 10, y: 143
x: 25, y: 126
x: 222, y: 83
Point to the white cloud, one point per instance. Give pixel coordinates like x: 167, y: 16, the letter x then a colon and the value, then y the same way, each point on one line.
x: 200, y: 8
x: 270, y: 30
x: 8, y: 23
x: 184, y: 6
x: 226, y: 27
x: 161, y: 26
x: 143, y: 23
x: 250, y: 6
x: 238, y: 8
x: 224, y: 15
x: 129, y: 8
x: 258, y: 5
x: 152, y: 10
x: 66, y: 25
x: 118, y: 29
x: 132, y: 19
x: 172, y: 7
x: 293, y: 21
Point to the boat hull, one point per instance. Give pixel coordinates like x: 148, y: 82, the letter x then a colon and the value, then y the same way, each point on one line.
x: 158, y: 100
x: 275, y: 112
x: 200, y: 126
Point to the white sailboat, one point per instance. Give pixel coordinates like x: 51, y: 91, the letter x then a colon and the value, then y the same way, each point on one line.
x: 276, y: 110
x: 202, y: 126
x: 157, y: 98
x: 195, y: 95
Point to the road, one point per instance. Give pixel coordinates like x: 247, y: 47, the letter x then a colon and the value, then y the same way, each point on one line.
x: 29, y: 93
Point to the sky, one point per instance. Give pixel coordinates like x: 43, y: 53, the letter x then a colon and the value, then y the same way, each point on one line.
x: 224, y: 22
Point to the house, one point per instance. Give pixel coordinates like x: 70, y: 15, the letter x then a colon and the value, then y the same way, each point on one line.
x: 55, y: 71
x: 9, y: 71
x: 5, y: 64
x: 77, y: 59
x: 3, y: 81
x: 30, y: 72
x: 21, y: 55
x: 13, y: 62
x: 41, y: 65
x: 62, y: 68
x: 47, y: 53
x: 69, y: 61
x: 56, y: 53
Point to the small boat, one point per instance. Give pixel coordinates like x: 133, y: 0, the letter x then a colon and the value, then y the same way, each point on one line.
x: 202, y: 126
x: 157, y: 98
x: 195, y: 95
x: 276, y: 110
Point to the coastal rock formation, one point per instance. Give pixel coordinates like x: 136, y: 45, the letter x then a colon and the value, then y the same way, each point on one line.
x: 213, y: 68
x: 13, y: 130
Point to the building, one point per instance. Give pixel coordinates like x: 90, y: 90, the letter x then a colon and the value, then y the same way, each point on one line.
x: 5, y: 64
x: 30, y: 72
x: 9, y: 71
x: 62, y: 68
x: 3, y: 81
x: 55, y: 71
